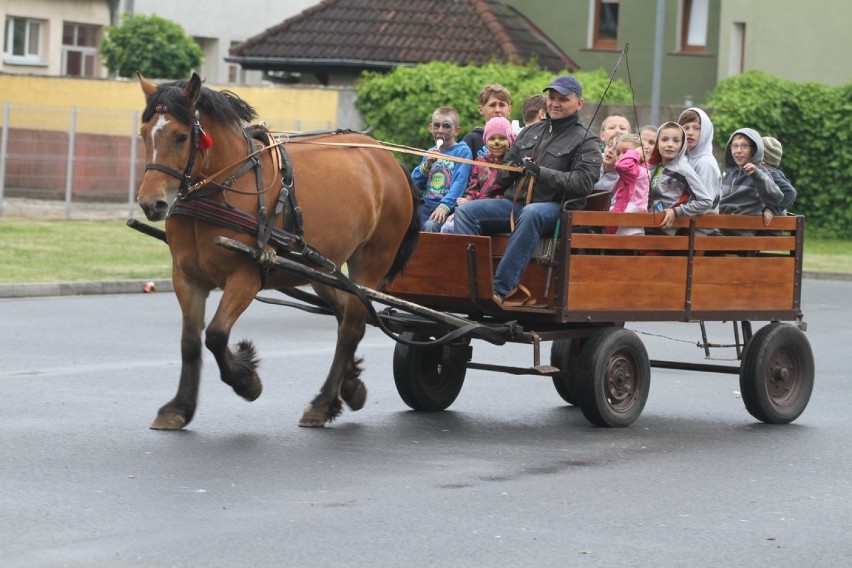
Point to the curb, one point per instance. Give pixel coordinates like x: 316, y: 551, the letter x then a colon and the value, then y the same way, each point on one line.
x: 840, y: 276
x: 165, y: 285
x: 82, y: 288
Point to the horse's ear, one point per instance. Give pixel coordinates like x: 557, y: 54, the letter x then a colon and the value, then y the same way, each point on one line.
x: 192, y: 90
x: 148, y: 87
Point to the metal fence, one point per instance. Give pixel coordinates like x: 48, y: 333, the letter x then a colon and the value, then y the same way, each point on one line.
x: 79, y: 161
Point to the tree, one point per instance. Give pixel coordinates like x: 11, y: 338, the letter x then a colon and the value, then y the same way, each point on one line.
x: 150, y: 45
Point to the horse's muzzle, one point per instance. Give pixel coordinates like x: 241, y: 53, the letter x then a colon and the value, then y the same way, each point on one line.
x: 155, y: 210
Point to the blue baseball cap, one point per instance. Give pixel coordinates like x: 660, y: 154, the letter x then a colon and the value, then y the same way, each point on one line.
x: 566, y: 84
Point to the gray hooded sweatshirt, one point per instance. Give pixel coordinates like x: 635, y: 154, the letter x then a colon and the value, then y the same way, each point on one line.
x: 677, y: 176
x: 702, y: 160
x: 744, y: 194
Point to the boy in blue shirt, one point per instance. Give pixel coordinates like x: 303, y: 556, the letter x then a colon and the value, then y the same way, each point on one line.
x: 442, y: 181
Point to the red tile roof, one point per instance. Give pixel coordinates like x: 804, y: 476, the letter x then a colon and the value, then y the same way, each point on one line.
x: 351, y: 35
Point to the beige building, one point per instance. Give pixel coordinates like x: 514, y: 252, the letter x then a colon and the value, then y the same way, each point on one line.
x: 795, y: 40
x: 62, y: 37
x: 50, y: 37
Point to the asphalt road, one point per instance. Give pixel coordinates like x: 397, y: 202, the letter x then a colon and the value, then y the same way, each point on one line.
x: 509, y: 476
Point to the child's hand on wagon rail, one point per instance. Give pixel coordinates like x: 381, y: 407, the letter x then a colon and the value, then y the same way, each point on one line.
x: 669, y: 216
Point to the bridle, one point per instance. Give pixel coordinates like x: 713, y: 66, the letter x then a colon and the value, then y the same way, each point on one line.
x: 185, y: 177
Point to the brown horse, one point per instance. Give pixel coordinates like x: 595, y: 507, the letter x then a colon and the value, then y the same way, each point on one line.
x: 357, y: 205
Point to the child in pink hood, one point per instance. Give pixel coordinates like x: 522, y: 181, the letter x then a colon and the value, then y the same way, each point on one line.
x: 482, y: 184
x: 630, y: 193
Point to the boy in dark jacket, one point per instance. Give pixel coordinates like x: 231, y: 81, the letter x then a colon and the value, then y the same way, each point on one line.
x: 772, y: 152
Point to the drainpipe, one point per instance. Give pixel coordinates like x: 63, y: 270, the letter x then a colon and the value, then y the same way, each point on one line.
x: 658, y: 62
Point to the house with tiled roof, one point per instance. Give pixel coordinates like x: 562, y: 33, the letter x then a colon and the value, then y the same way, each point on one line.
x: 334, y: 41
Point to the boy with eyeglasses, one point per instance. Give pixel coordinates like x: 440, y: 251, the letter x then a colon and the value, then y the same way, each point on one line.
x: 747, y: 187
x: 442, y: 181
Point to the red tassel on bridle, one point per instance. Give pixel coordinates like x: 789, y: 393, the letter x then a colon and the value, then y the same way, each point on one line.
x: 204, y: 140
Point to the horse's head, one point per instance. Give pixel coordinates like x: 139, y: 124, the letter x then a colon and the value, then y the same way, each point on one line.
x: 171, y: 131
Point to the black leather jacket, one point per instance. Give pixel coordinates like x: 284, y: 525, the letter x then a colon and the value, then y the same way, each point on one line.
x: 569, y: 158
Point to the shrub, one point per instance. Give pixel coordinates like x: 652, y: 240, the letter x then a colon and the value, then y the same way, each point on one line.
x: 399, y: 104
x: 813, y: 123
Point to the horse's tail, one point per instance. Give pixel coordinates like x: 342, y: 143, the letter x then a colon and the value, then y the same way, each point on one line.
x: 409, y: 241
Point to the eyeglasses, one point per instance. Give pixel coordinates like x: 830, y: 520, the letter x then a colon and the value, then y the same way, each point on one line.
x: 445, y: 125
x: 740, y: 146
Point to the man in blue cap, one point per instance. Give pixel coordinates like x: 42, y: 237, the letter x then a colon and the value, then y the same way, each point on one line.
x: 561, y: 162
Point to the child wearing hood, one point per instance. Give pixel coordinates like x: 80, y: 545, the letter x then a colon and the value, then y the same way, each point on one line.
x: 499, y: 137
x: 772, y: 152
x: 699, y: 151
x: 747, y: 187
x: 676, y: 190
x: 630, y: 194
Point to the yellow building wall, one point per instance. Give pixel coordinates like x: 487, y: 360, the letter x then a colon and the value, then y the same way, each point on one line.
x: 107, y: 106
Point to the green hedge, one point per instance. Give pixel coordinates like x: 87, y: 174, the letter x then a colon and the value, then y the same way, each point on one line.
x: 814, y: 124
x: 398, y: 105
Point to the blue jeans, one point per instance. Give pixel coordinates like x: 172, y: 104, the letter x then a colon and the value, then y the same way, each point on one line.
x: 426, y: 209
x: 531, y: 223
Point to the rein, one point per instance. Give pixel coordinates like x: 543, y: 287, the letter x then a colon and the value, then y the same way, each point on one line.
x: 388, y: 146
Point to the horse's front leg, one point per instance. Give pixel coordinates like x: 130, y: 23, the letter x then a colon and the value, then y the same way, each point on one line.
x: 179, y: 411
x: 238, y: 368
x: 342, y: 378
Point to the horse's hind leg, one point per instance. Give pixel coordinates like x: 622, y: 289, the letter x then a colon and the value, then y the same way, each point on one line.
x: 342, y: 378
x: 179, y: 411
x: 237, y: 368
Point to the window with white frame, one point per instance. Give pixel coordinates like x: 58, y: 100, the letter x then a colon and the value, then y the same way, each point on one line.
x: 693, y: 27
x: 80, y: 50
x: 23, y: 40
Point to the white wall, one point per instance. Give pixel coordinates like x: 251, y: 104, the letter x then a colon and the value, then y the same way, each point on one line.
x: 218, y: 23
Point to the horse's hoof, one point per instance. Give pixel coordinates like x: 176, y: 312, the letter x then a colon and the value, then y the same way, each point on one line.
x: 252, y: 391
x: 168, y: 421
x: 354, y: 397
x: 316, y: 414
x: 312, y: 417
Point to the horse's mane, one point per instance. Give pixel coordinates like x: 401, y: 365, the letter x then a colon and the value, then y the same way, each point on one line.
x: 223, y: 106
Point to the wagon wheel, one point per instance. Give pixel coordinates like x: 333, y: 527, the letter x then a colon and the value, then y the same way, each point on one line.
x: 777, y: 374
x: 614, y: 377
x: 423, y: 380
x: 565, y: 355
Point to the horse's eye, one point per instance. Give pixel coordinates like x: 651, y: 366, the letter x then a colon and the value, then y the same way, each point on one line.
x: 181, y: 138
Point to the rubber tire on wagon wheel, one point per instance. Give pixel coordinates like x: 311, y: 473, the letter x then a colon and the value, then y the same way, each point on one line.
x: 422, y: 381
x: 565, y: 355
x: 777, y: 374
x: 614, y: 377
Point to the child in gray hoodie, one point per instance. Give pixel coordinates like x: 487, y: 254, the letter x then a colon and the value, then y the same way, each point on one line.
x: 699, y: 151
x: 676, y: 190
x: 747, y: 187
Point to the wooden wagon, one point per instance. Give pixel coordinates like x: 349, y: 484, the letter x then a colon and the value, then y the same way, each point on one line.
x: 588, y: 285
